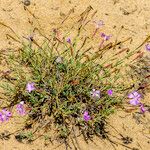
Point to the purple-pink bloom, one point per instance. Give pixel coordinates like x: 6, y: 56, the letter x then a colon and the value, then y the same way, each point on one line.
x: 147, y: 47
x: 68, y: 40
x: 105, y: 37
x: 135, y: 98
x: 142, y: 108
x: 2, y: 117
x: 110, y: 92
x: 134, y: 94
x: 95, y: 93
x: 21, y: 109
x: 86, y: 116
x: 134, y: 102
x: 5, y: 115
x: 30, y: 87
x: 99, y: 23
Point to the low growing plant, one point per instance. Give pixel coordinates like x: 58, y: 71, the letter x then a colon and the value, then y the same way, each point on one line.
x: 61, y: 87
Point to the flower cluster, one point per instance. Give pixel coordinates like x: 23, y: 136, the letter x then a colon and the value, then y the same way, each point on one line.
x: 134, y: 97
x: 20, y: 108
x: 5, y: 114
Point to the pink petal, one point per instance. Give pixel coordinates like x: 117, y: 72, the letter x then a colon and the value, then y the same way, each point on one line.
x: 131, y: 95
x: 85, y: 113
x: 135, y: 93
x: 142, y: 108
x: 134, y: 102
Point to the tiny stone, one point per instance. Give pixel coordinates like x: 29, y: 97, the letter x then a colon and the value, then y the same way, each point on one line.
x: 59, y: 60
x: 27, y: 2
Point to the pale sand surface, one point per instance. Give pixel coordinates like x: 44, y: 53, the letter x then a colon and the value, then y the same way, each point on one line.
x: 134, y: 15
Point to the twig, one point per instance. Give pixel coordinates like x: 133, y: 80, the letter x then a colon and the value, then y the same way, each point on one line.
x: 1, y: 23
x: 69, y: 13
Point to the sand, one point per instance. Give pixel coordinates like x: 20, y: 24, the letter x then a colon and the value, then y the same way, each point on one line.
x: 132, y: 15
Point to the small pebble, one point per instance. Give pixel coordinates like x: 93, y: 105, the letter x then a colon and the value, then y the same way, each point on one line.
x: 26, y: 2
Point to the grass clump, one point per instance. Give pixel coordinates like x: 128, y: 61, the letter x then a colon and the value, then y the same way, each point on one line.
x: 61, y: 84
x: 61, y: 88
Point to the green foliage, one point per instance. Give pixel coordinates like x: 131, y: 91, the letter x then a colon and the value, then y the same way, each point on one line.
x: 24, y: 136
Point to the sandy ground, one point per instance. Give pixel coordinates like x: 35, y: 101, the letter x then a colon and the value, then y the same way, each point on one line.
x: 133, y: 15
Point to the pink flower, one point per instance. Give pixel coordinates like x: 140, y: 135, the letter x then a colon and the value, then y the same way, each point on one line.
x: 30, y: 87
x: 105, y: 37
x: 5, y: 115
x: 20, y: 108
x: 68, y: 40
x: 147, y: 47
x: 86, y: 116
x: 134, y: 102
x: 95, y: 94
x: 135, y: 98
x: 99, y: 23
x: 110, y: 92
